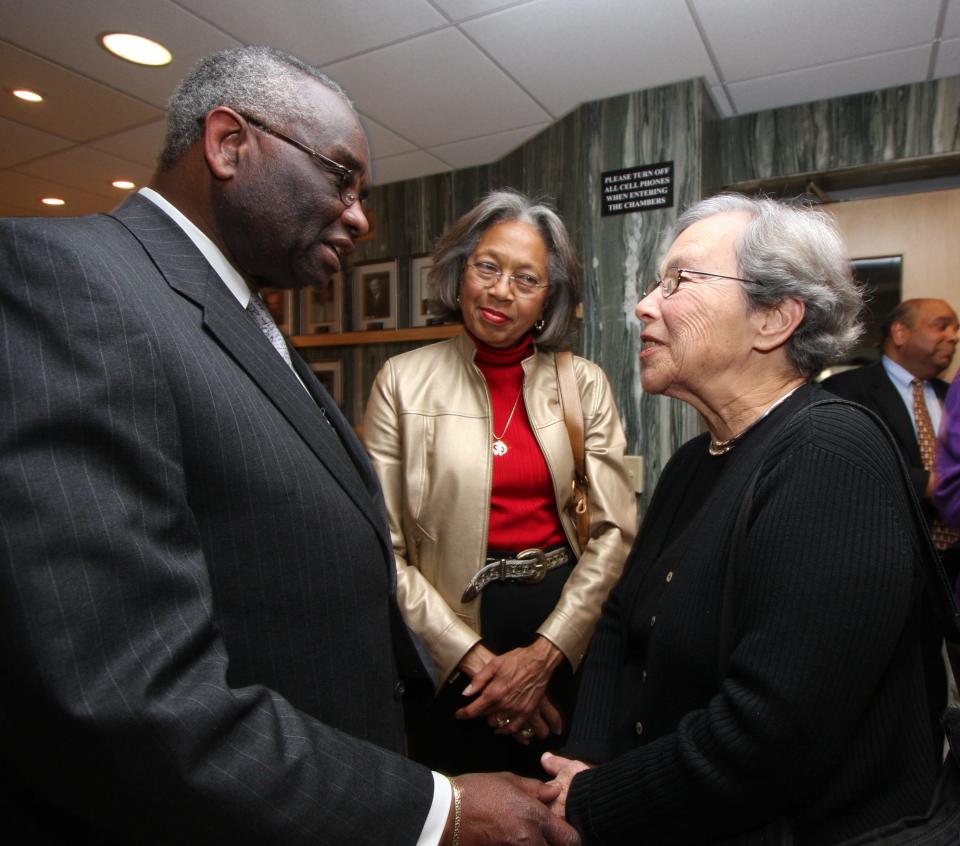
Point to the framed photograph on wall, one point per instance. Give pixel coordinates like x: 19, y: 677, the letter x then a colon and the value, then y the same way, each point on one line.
x: 281, y: 303
x: 329, y: 373
x: 882, y: 278
x: 321, y: 308
x: 423, y: 310
x: 375, y: 295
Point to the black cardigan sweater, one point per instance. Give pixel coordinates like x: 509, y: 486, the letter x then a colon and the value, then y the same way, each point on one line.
x: 816, y: 711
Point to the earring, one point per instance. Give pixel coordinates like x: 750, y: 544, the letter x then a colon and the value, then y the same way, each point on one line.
x: 539, y: 325
x: 458, y: 299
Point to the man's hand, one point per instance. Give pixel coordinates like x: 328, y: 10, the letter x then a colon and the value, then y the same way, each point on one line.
x: 501, y: 808
x: 563, y: 770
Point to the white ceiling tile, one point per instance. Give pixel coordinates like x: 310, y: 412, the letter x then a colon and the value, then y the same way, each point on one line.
x: 948, y: 59
x: 469, y: 95
x: 73, y: 107
x: 406, y: 166
x: 434, y: 95
x: 951, y: 23
x: 757, y: 38
x: 87, y: 169
x: 489, y: 148
x: 22, y: 143
x: 821, y: 83
x: 141, y: 145
x: 26, y: 192
x: 721, y: 101
x: 458, y: 10
x: 320, y: 33
x: 383, y: 142
x: 65, y: 32
x: 567, y: 52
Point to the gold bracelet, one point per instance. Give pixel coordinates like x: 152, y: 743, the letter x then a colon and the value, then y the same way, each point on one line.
x: 457, y: 812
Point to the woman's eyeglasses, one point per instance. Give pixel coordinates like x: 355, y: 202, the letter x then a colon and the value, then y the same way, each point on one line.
x: 524, y: 284
x: 670, y: 281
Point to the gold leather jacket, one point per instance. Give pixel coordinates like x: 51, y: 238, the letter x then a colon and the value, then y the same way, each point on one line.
x: 427, y: 430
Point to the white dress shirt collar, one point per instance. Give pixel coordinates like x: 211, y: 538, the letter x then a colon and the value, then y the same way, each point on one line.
x: 226, y: 271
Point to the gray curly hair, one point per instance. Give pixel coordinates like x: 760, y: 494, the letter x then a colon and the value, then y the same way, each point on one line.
x: 254, y: 80
x: 457, y: 244
x: 794, y: 251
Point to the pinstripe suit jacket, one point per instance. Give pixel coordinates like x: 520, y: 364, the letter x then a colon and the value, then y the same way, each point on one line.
x: 198, y: 632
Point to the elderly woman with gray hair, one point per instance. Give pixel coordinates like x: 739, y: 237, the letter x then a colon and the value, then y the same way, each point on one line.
x: 468, y: 439
x: 756, y: 676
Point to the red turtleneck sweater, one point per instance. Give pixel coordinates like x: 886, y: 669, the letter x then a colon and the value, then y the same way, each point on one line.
x: 523, y: 511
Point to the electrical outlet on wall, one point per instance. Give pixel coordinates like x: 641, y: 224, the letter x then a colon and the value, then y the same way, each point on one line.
x: 634, y: 464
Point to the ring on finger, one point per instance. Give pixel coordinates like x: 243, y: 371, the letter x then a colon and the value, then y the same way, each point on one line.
x: 527, y: 732
x: 502, y: 722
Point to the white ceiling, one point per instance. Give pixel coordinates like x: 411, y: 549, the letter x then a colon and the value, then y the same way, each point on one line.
x: 441, y: 84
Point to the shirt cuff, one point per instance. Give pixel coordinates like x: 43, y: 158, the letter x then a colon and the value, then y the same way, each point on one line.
x: 439, y: 811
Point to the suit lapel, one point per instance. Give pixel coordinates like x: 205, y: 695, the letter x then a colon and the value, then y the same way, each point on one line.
x: 339, y: 423
x: 892, y: 409
x: 188, y: 272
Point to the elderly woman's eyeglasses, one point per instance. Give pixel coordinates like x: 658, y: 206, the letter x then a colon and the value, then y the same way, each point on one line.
x: 670, y: 281
x: 347, y: 187
x: 524, y: 284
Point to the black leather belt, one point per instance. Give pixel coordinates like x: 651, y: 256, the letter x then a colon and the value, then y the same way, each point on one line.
x: 530, y: 567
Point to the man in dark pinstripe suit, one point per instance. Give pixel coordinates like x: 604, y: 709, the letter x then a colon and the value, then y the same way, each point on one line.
x: 199, y: 638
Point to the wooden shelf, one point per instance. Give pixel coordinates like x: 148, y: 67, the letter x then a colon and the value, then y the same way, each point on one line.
x: 380, y: 336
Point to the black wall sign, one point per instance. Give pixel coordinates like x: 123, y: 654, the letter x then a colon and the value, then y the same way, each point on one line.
x: 639, y: 188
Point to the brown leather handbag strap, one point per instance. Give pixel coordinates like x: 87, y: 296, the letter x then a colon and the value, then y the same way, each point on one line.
x: 573, y: 418
x: 570, y: 403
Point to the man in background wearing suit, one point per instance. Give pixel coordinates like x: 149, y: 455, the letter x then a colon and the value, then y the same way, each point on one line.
x: 198, y: 636
x: 918, y: 341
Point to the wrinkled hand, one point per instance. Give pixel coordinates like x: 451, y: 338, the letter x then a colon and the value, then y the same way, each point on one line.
x: 501, y: 808
x: 512, y: 686
x: 545, y: 719
x: 563, y: 770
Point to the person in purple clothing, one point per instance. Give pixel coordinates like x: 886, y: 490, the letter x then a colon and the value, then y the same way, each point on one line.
x: 946, y: 494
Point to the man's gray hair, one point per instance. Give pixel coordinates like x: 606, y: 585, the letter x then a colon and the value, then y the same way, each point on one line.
x: 258, y: 81
x: 794, y: 251
x: 460, y: 240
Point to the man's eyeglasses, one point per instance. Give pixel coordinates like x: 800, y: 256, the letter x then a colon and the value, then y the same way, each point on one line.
x: 347, y: 188
x: 670, y: 281
x: 524, y: 284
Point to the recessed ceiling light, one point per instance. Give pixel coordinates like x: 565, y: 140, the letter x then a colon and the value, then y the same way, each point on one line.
x: 27, y: 94
x: 126, y: 184
x: 136, y: 49
x: 52, y: 201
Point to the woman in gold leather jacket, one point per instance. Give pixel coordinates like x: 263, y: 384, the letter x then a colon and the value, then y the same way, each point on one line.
x: 469, y: 441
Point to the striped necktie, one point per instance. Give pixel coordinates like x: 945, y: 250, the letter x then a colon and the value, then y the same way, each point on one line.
x: 943, y: 538
x: 261, y: 314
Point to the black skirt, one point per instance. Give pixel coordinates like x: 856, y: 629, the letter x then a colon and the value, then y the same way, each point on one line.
x: 510, y: 614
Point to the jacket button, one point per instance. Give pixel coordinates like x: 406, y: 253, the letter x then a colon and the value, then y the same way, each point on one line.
x: 399, y: 689
x: 639, y: 727
x: 670, y: 576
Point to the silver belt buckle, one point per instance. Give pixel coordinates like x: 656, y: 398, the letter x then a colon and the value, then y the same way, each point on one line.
x: 539, y: 567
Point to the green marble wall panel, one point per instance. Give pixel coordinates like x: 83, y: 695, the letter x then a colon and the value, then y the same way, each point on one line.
x: 906, y: 122
x: 621, y: 252
x: 564, y: 164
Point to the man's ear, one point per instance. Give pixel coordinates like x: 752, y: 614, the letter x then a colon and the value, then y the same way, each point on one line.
x: 899, y: 332
x: 776, y: 324
x: 224, y: 132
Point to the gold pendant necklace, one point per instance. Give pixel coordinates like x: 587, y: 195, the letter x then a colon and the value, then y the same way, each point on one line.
x: 499, y: 447
x: 716, y: 447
